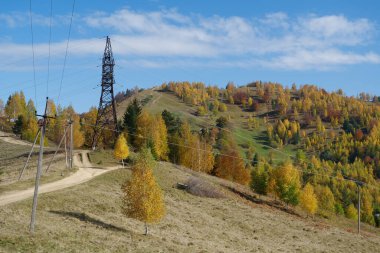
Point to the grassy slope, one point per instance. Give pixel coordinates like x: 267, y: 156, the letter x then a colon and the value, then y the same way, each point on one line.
x: 87, y: 218
x: 12, y: 160
x: 103, y: 158
x: 158, y: 101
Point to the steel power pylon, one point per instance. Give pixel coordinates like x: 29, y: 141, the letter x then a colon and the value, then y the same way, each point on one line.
x: 107, y: 106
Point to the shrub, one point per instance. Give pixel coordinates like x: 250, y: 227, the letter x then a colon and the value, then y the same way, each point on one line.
x: 198, y: 187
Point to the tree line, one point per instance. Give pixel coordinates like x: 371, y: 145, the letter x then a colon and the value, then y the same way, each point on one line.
x: 337, y: 137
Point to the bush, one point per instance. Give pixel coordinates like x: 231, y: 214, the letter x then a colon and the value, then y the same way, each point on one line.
x: 198, y: 187
x: 351, y: 212
x: 201, y: 111
x: 221, y: 122
x: 339, y: 209
x: 222, y: 107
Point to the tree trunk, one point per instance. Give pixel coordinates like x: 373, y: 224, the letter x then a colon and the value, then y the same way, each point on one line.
x: 122, y: 162
x: 146, y: 229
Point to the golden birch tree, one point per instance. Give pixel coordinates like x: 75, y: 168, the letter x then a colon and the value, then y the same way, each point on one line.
x: 121, y: 150
x: 308, y: 199
x: 142, y: 197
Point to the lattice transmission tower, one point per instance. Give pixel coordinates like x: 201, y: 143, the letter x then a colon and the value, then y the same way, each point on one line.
x: 107, y: 107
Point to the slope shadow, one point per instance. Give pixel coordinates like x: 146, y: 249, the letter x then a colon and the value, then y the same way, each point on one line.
x: 252, y: 198
x: 262, y: 139
x: 270, y: 114
x: 86, y: 218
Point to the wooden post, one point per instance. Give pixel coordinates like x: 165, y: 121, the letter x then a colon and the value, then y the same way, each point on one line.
x: 71, y: 144
x: 66, y: 158
x: 55, y: 153
x: 30, y: 153
x: 39, y: 170
x: 358, y: 209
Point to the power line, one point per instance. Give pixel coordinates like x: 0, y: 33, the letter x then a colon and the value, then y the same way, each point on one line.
x: 245, y: 159
x: 290, y: 156
x: 48, y: 68
x: 43, y: 55
x: 67, y: 47
x: 239, y: 158
x: 244, y: 137
x: 41, y: 79
x: 34, y: 68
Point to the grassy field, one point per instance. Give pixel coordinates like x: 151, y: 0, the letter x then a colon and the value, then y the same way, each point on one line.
x: 103, y: 158
x: 87, y: 218
x: 12, y: 160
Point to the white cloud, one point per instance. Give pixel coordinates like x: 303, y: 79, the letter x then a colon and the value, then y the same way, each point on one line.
x: 128, y: 21
x: 321, y: 60
x: 276, y: 20
x: 10, y: 20
x: 22, y: 19
x: 274, y: 41
x: 336, y: 29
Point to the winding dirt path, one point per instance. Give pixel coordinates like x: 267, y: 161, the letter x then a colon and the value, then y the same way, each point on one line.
x: 84, y: 174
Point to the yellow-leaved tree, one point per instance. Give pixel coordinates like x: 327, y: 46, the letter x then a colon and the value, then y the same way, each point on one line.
x: 308, y: 199
x: 151, y: 132
x: 144, y: 130
x: 285, y: 183
x: 121, y: 150
x: 231, y: 166
x: 160, y: 138
x: 351, y: 212
x: 193, y: 152
x: 142, y: 197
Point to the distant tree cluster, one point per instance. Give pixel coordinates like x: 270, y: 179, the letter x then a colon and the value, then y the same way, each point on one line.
x: 22, y: 117
x: 284, y: 132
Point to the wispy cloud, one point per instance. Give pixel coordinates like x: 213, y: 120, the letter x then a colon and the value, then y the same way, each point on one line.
x: 273, y: 41
x: 22, y: 19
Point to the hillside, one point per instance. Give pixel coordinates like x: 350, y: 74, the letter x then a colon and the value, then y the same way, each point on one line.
x: 88, y: 217
x: 155, y: 101
x: 243, y: 141
x: 330, y: 139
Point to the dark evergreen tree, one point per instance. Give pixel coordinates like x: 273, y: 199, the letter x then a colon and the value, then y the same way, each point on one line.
x: 19, y: 124
x: 256, y: 159
x: 130, y: 119
x: 173, y: 123
x: 221, y: 122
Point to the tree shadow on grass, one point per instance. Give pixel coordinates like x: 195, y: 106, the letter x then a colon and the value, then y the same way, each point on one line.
x: 86, y: 218
x: 262, y: 139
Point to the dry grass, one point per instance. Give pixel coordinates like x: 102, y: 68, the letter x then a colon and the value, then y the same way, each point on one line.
x: 12, y: 160
x: 103, y: 158
x: 87, y: 218
x: 201, y: 188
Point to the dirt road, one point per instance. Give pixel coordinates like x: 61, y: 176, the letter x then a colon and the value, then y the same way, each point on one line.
x: 84, y: 174
x: 8, y: 138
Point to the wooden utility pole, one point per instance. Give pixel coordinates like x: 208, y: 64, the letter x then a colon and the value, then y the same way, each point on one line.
x: 358, y: 184
x: 358, y: 208
x: 56, y: 151
x: 39, y: 167
x: 71, y: 143
x: 66, y: 158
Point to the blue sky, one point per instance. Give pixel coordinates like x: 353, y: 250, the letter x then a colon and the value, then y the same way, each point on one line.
x: 333, y: 44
